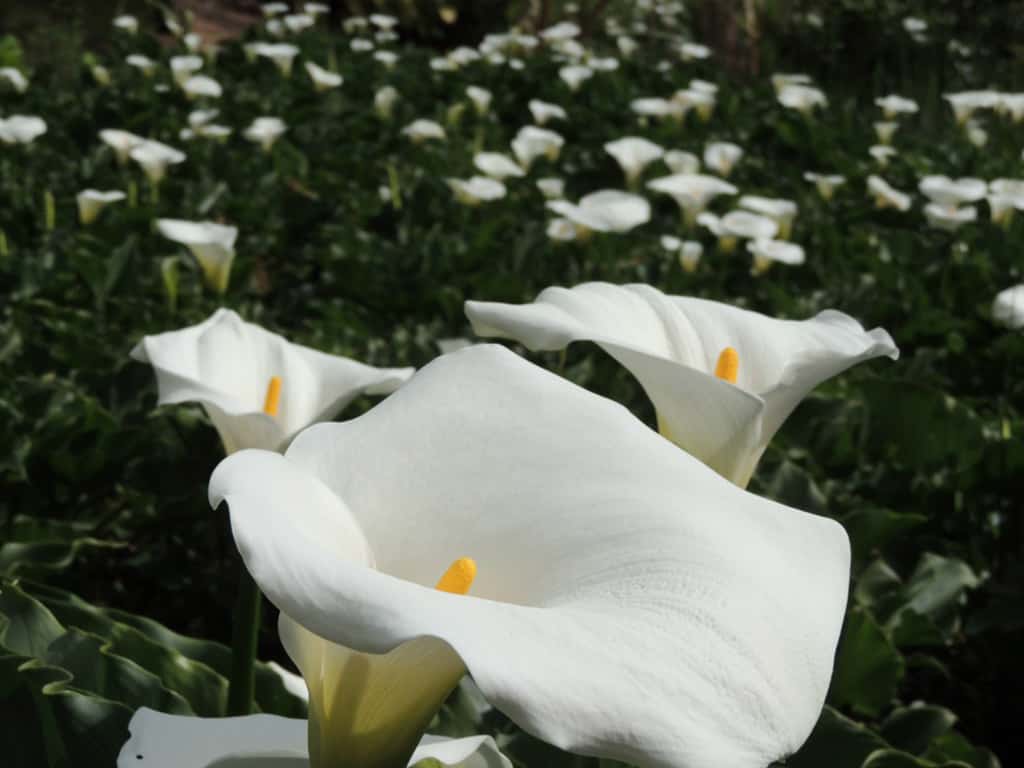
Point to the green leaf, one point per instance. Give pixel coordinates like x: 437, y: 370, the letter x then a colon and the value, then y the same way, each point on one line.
x: 836, y: 742
x: 913, y: 729
x: 868, y: 668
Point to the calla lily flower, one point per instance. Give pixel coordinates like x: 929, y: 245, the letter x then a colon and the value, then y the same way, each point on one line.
x: 658, y: 107
x: 316, y: 9
x: 480, y: 97
x: 722, y: 156
x: 298, y: 22
x: 384, y: 101
x: 779, y: 210
x: 282, y: 54
x: 532, y: 142
x: 575, y: 75
x: 692, y: 191
x: 781, y: 80
x: 91, y: 203
x: 564, y: 30
x: 950, y: 193
x: 893, y: 106
x: 201, y: 86
x: 881, y: 154
x: 258, y: 389
x: 1008, y: 308
x: 425, y: 130
x: 212, y: 244
x: 826, y: 184
x: 722, y: 379
x: 950, y: 219
x: 1005, y: 196
x: 966, y: 103
x: 552, y: 188
x: 154, y: 157
x: 158, y: 740
x: 387, y: 58
x: 476, y: 190
x: 887, y: 196
x: 323, y: 79
x: 744, y: 225
x: 802, y: 98
x: 183, y: 67
x: 497, y: 166
x: 122, y: 142
x: 767, y: 252
x: 543, y: 112
x: 885, y: 130
x: 383, y: 21
x: 13, y: 76
x: 664, y: 617
x: 126, y: 23
x: 679, y: 161
x: 21, y: 129
x: 693, y: 51
x: 265, y: 131
x: 274, y: 9
x: 689, y: 251
x: 143, y: 63
x: 633, y: 154
x: 561, y: 230
x: 606, y: 211
x: 693, y: 98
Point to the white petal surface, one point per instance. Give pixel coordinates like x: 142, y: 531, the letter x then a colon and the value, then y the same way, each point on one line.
x: 630, y: 603
x: 158, y: 740
x: 780, y: 360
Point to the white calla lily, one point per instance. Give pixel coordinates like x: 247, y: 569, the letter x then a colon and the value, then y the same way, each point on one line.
x: 126, y: 23
x: 675, y: 345
x: 722, y: 156
x: 481, y: 98
x: 281, y: 54
x: 665, y: 617
x: 893, y: 106
x: 122, y: 142
x: 212, y: 244
x: 154, y: 157
x: 680, y: 161
x: 21, y: 129
x: 950, y: 193
x: 497, y: 166
x: 634, y: 154
x: 229, y: 367
x: 184, y: 67
x: 143, y: 63
x: 802, y: 98
x: 575, y: 75
x: 323, y: 79
x: 158, y: 740
x: 950, y: 219
x: 202, y: 86
x: 422, y: 130
x: 692, y: 191
x: 767, y: 252
x: 608, y: 210
x: 532, y: 142
x: 780, y: 210
x: 658, y: 107
x: 265, y: 131
x: 477, y: 189
x: 544, y: 111
x: 887, y: 196
x: 1008, y: 308
x: 551, y: 187
x: 15, y: 78
x: 91, y: 203
x: 825, y: 183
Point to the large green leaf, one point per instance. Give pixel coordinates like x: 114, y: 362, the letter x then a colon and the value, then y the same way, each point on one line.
x: 868, y: 667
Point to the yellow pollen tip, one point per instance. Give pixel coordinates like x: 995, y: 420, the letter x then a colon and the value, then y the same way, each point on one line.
x: 273, y: 398
x: 459, y: 576
x: 728, y: 367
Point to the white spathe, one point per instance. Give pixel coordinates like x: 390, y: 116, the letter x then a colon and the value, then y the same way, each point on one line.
x: 122, y: 142
x: 1008, y: 308
x: 424, y: 130
x: 226, y: 364
x: 477, y: 189
x: 671, y: 344
x: 17, y: 80
x: 825, y: 183
x: 158, y: 740
x: 951, y: 193
x: 323, y: 79
x: 265, y: 131
x: 767, y: 252
x: 647, y: 611
x: 633, y: 154
x: 21, y: 129
x: 497, y: 165
x: 154, y: 157
x: 544, y: 111
x: 202, y: 86
x: 212, y: 244
x: 692, y: 191
x: 532, y: 142
x: 91, y: 203
x: 608, y: 210
x: 722, y: 156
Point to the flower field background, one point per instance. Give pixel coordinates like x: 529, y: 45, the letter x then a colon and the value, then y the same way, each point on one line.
x: 117, y: 582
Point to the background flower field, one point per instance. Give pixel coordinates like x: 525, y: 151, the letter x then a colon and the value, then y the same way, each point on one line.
x: 116, y: 580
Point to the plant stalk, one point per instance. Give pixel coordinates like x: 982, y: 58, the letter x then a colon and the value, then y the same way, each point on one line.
x: 244, y: 642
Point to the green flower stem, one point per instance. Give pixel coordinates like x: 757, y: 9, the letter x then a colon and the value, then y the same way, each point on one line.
x: 243, y: 645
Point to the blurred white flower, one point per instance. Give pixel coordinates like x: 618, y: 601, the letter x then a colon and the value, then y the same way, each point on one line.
x: 966, y: 103
x: 183, y: 67
x: 885, y: 130
x: 281, y: 54
x: 274, y: 9
x: 561, y: 230
x: 532, y: 142
x: 201, y: 86
x: 692, y: 191
x: 702, y: 100
x: 657, y: 107
x: 544, y: 112
x: 126, y: 23
x: 679, y: 161
x: 122, y: 142
x: 323, y: 79
x: 91, y: 203
x: 767, y: 252
x: 1004, y: 197
x: 950, y: 219
x: 424, y: 130
x: 633, y: 154
x: 887, y: 196
x: 882, y: 153
x: 265, y: 131
x: 779, y: 210
x: 497, y: 165
x: 21, y: 129
x: 782, y: 80
x: 952, y: 193
x: 802, y: 98
x: 565, y: 30
x: 693, y: 51
x: 193, y: 42
x: 916, y: 28
x: 383, y: 21
x: 477, y: 189
x: 1008, y: 308
x: 154, y: 157
x: 140, y: 62
x: 552, y: 188
x: 298, y: 22
x: 16, y: 79
x: 574, y: 75
x: 384, y: 101
x: 212, y: 244
x: 826, y: 184
x: 362, y: 45
x: 976, y: 134
x: 893, y: 106
x: 480, y: 97
x: 316, y: 9
x: 722, y: 156
x: 627, y: 45
x: 608, y: 210
x: 386, y: 58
